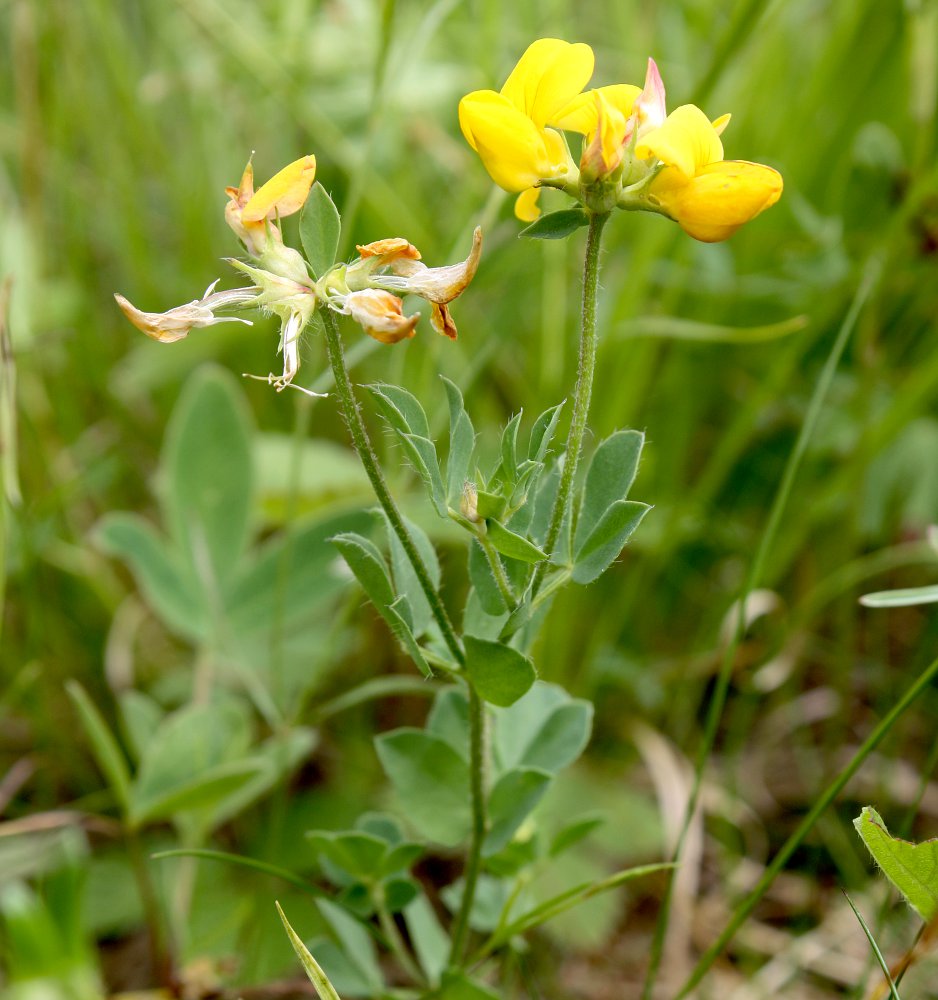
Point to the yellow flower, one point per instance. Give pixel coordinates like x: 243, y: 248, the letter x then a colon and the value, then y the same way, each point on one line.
x: 508, y: 129
x: 251, y: 214
x: 709, y: 197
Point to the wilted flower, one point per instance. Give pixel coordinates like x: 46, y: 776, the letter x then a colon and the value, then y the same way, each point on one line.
x: 175, y: 324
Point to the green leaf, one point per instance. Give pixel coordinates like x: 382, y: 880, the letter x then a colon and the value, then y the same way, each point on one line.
x: 449, y: 719
x: 603, y: 545
x: 405, y: 579
x: 140, y: 718
x: 400, y: 408
x: 359, y: 854
x: 371, y: 571
x: 556, y: 225
x: 109, y: 756
x: 195, y: 745
x: 242, y: 861
x: 431, y: 942
x: 515, y: 794
x: 355, y: 942
x: 169, y: 588
x: 903, y: 598
x: 542, y: 433
x: 367, y: 563
x: 320, y: 228
x: 610, y: 476
x: 912, y: 868
x: 461, y: 443
x: 509, y: 450
x: 546, y: 729
x: 317, y: 977
x: 512, y: 545
x: 884, y: 966
x: 481, y: 578
x: 422, y: 454
x: 500, y: 674
x: 572, y: 833
x: 208, y: 468
x: 430, y: 779
x: 458, y: 986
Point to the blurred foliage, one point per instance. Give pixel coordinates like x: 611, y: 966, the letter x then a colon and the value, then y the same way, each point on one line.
x: 120, y: 125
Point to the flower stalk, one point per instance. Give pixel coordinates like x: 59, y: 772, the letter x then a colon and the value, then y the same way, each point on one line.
x: 582, y: 393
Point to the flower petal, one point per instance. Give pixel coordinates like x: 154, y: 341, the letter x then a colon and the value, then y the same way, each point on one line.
x: 392, y: 248
x: 687, y: 141
x: 285, y: 192
x: 526, y: 207
x: 651, y: 105
x: 512, y: 148
x: 442, y: 321
x: 547, y: 77
x: 719, y: 199
x: 440, y: 284
x: 580, y: 114
x: 381, y: 315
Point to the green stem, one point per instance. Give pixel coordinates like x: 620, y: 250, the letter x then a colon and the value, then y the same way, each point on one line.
x: 498, y: 572
x: 790, y: 845
x: 477, y: 743
x: 721, y: 690
x: 366, y: 453
x: 160, y: 956
x: 477, y: 736
x: 582, y: 393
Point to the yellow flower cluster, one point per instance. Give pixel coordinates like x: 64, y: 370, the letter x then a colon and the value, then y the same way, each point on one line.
x: 635, y: 155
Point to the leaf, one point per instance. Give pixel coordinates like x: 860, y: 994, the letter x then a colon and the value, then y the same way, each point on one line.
x: 320, y: 228
x: 573, y: 833
x: 422, y: 454
x: 461, y: 443
x: 355, y: 942
x: 500, y: 674
x: 405, y: 579
x: 109, y: 756
x: 359, y: 854
x: 509, y: 450
x: 893, y: 992
x: 609, y: 477
x: 449, y: 719
x: 542, y: 433
x: 512, y: 545
x: 371, y: 571
x: 316, y: 976
x: 196, y: 744
x: 208, y: 476
x: 608, y: 538
x: 481, y: 578
x: 912, y: 868
x: 556, y: 225
x: 458, y: 986
x: 243, y: 861
x: 141, y: 717
x: 430, y: 779
x: 430, y: 941
x: 167, y: 587
x: 515, y: 794
x: 904, y: 598
x: 546, y: 729
x: 400, y: 408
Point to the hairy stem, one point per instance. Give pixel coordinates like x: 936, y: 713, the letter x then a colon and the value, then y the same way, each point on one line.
x: 477, y: 754
x: 366, y: 453
x: 582, y: 393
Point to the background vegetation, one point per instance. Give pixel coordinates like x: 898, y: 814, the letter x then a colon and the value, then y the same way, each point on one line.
x: 120, y: 125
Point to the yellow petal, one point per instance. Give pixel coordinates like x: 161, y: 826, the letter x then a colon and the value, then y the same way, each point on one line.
x: 580, y: 114
x: 547, y: 77
x: 687, y: 141
x: 513, y: 149
x: 526, y: 207
x: 284, y: 193
x: 604, y: 152
x: 392, y: 248
x: 719, y: 124
x: 719, y: 199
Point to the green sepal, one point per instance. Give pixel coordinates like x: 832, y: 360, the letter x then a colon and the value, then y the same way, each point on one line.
x: 556, y: 225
